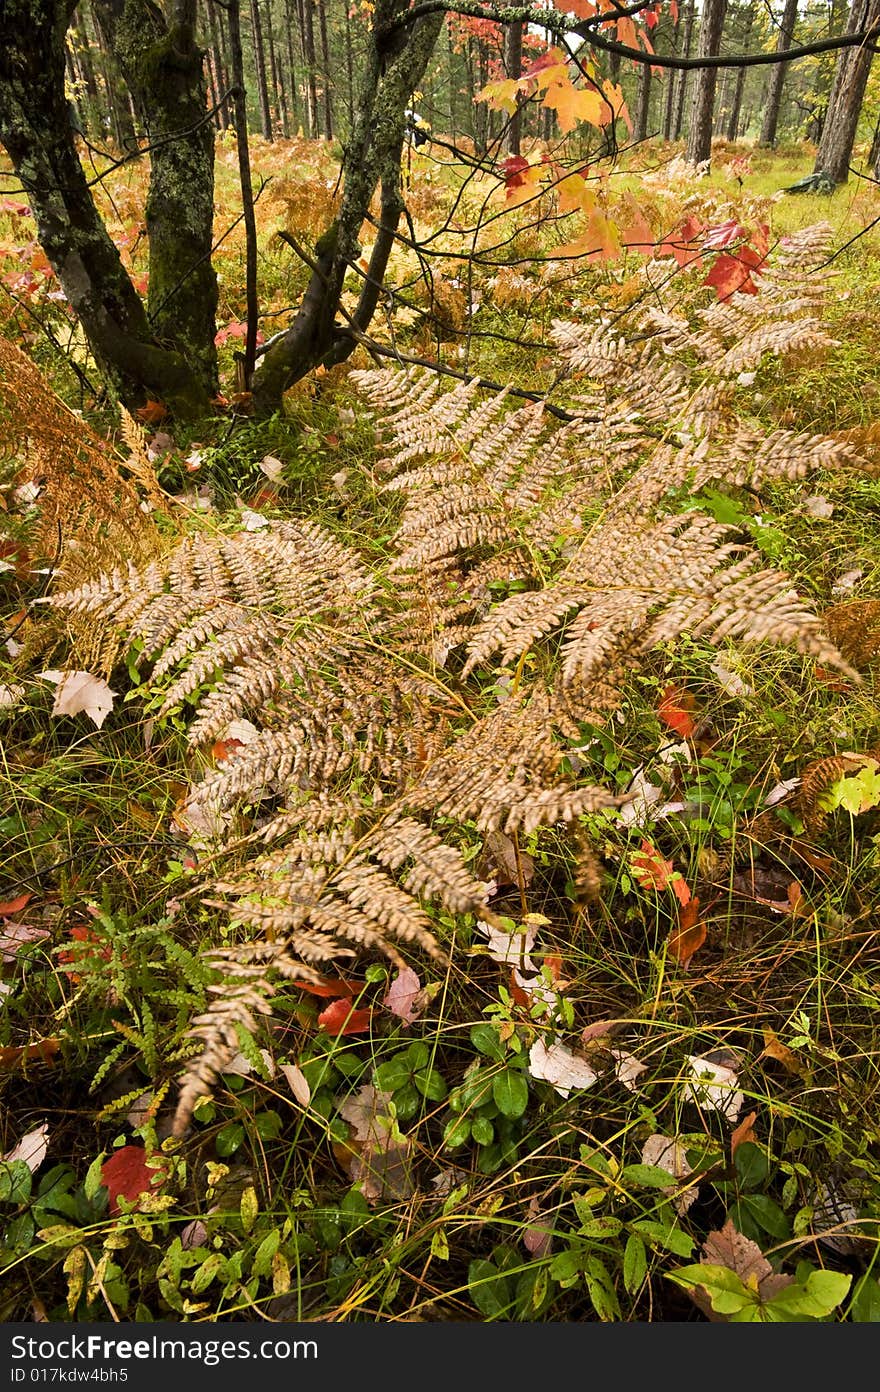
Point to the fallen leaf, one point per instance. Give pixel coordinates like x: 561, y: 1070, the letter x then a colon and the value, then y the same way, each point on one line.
x: 273, y: 468
x: 537, y: 1238
x: 298, y: 1084
x: 341, y: 1017
x: 195, y: 1234
x: 675, y: 710
x: 560, y: 1066
x: 667, y: 1153
x: 43, y: 1052
x: 32, y: 1148
x: 651, y: 871
x: 401, y: 995
x: 378, y: 1157
x: 689, y: 935
x: 502, y: 862
x: 744, y: 1132
x: 817, y: 506
x: 627, y: 1068
x: 775, y: 1049
x: 728, y: 1248
x: 332, y: 988
x: 729, y: 682
x: 712, y: 1084
x: 152, y: 413
x: 781, y: 790
x: 81, y: 691
x: 11, y: 695
x: 14, y: 906
x: 14, y: 936
x: 126, y: 1176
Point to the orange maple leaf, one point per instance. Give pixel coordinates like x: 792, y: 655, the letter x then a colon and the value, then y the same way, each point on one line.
x: 689, y: 934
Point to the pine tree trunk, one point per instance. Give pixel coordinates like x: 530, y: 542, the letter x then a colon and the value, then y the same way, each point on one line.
x: 669, y: 96
x: 776, y: 81
x: 275, y: 71
x: 847, y: 93
x: 681, y: 92
x: 291, y: 67
x: 221, y: 80
x: 260, y: 72
x: 307, y: 30
x: 35, y: 130
x: 739, y: 86
x: 699, y: 146
x: 643, y: 105
x: 325, y: 62
x: 513, y: 48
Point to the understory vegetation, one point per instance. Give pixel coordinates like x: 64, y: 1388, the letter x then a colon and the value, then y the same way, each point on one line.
x: 440, y: 828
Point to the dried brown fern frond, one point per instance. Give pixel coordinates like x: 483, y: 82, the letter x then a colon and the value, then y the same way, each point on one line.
x: 818, y: 777
x: 683, y: 575
x: 87, y: 511
x: 249, y: 614
x: 854, y: 627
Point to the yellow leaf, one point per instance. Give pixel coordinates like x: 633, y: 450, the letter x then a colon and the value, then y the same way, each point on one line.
x: 575, y: 194
x: 600, y: 241
x: 574, y: 104
x: 501, y: 95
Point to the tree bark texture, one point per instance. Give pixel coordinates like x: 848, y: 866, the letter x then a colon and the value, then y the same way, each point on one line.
x: 260, y: 69
x: 776, y: 80
x: 35, y: 129
x: 164, y: 70
x: 513, y: 49
x: 681, y: 91
x: 847, y: 93
x: 391, y: 70
x: 699, y: 146
x: 643, y: 105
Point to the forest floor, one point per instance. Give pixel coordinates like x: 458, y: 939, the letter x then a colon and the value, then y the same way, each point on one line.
x: 403, y: 1162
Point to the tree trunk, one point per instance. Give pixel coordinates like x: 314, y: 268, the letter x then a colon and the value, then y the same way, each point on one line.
x: 392, y: 68
x: 221, y: 80
x: 277, y: 78
x: 847, y: 94
x: 291, y: 66
x: 307, y: 30
x: 260, y: 71
x: 739, y: 86
x: 681, y: 92
x: 513, y: 48
x: 164, y: 70
x: 35, y: 130
x: 80, y: 46
x: 699, y: 146
x: 325, y: 62
x: 669, y: 96
x: 643, y: 105
x: 776, y: 81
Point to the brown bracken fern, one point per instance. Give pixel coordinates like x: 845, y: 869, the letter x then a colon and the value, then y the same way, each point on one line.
x: 391, y: 708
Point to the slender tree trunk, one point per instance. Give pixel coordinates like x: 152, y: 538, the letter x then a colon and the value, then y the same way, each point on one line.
x: 164, y: 71
x: 699, y: 146
x: 739, y: 85
x: 80, y: 47
x: 776, y: 80
x: 247, y: 192
x: 349, y: 69
x: 291, y: 66
x: 220, y: 75
x: 307, y: 30
x: 325, y: 62
x: 643, y: 105
x: 373, y: 155
x: 681, y: 91
x: 260, y: 70
x: 847, y: 93
x: 874, y: 156
x: 669, y: 95
x: 513, y: 48
x: 275, y: 70
x: 35, y: 130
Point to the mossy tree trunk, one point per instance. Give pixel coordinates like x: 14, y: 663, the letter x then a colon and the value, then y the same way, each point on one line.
x: 393, y: 66
x: 847, y: 94
x: 164, y: 70
x: 36, y: 132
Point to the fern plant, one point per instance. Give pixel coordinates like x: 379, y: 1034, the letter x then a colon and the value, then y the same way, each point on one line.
x: 381, y: 731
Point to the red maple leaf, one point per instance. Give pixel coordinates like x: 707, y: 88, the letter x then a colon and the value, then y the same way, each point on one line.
x: 333, y: 989
x: 126, y: 1176
x: 674, y: 709
x: 651, y: 871
x: 690, y: 934
x: 732, y: 272
x: 341, y: 1017
x: 514, y: 167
